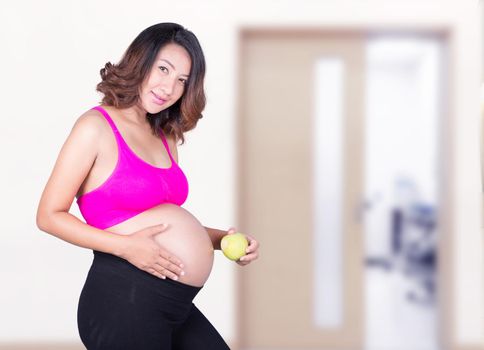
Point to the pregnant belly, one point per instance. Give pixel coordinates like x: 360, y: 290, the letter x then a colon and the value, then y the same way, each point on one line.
x: 185, y: 238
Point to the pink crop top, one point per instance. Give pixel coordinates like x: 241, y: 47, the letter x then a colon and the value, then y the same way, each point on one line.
x: 133, y: 187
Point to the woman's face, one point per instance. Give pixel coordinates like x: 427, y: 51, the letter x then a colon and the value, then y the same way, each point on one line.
x: 166, y: 81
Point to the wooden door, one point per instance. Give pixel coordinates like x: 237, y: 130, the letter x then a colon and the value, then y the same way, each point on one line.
x: 276, y: 189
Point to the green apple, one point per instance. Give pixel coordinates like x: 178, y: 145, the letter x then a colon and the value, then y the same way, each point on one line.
x: 234, y: 245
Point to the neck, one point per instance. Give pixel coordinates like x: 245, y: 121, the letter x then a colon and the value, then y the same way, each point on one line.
x: 135, y: 114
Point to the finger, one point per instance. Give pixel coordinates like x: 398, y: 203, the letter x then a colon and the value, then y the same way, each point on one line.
x: 250, y: 238
x: 162, y: 271
x: 171, y: 258
x: 153, y: 230
x: 231, y: 230
x: 172, y: 268
x: 253, y: 246
x: 156, y: 273
x: 168, y: 273
x: 249, y: 257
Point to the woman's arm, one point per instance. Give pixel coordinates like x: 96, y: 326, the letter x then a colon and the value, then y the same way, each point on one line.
x: 252, y: 251
x: 215, y: 236
x: 75, y: 160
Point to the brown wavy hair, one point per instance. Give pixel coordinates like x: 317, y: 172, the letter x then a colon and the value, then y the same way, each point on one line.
x: 121, y: 82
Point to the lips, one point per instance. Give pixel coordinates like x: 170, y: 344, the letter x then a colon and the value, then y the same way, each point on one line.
x: 157, y: 99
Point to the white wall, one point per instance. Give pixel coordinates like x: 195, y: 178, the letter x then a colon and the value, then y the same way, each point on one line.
x: 50, y: 60
x: 50, y: 57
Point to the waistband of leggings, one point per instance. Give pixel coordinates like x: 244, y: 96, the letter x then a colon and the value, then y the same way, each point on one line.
x: 110, y: 261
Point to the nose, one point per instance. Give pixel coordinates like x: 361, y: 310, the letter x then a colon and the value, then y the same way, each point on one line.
x: 167, y: 86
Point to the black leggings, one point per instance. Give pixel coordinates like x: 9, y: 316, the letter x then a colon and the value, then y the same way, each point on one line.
x: 123, y: 307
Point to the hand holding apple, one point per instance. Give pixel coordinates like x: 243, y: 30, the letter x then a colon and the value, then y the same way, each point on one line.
x: 243, y: 251
x: 234, y: 245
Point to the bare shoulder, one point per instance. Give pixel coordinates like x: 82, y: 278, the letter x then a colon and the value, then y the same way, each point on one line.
x: 87, y: 134
x: 90, y: 124
x: 74, y: 162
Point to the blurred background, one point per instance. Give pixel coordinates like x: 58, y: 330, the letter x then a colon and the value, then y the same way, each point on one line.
x: 344, y: 135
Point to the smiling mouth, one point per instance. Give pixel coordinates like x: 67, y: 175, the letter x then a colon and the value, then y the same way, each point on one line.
x: 158, y: 99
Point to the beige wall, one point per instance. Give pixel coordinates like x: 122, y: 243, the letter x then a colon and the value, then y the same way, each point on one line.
x: 50, y: 57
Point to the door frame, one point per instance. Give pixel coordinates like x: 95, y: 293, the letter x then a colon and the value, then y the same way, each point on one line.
x: 446, y: 259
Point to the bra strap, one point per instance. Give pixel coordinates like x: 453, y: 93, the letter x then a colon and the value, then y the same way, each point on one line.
x: 166, y: 145
x: 108, y: 118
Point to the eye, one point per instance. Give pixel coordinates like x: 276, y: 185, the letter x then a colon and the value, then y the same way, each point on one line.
x: 163, y: 69
x: 183, y: 81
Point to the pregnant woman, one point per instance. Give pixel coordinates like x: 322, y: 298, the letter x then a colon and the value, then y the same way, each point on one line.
x: 151, y: 256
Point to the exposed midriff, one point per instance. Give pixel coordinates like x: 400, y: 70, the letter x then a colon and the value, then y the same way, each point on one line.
x: 185, y: 238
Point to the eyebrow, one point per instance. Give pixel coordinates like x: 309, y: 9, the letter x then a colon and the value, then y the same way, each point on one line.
x: 171, y: 65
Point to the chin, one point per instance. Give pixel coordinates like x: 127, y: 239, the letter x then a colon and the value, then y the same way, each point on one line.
x: 154, y: 109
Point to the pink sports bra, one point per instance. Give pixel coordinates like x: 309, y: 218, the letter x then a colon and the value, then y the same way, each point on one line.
x: 133, y: 187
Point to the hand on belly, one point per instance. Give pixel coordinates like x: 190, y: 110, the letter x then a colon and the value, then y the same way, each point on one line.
x: 185, y: 238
